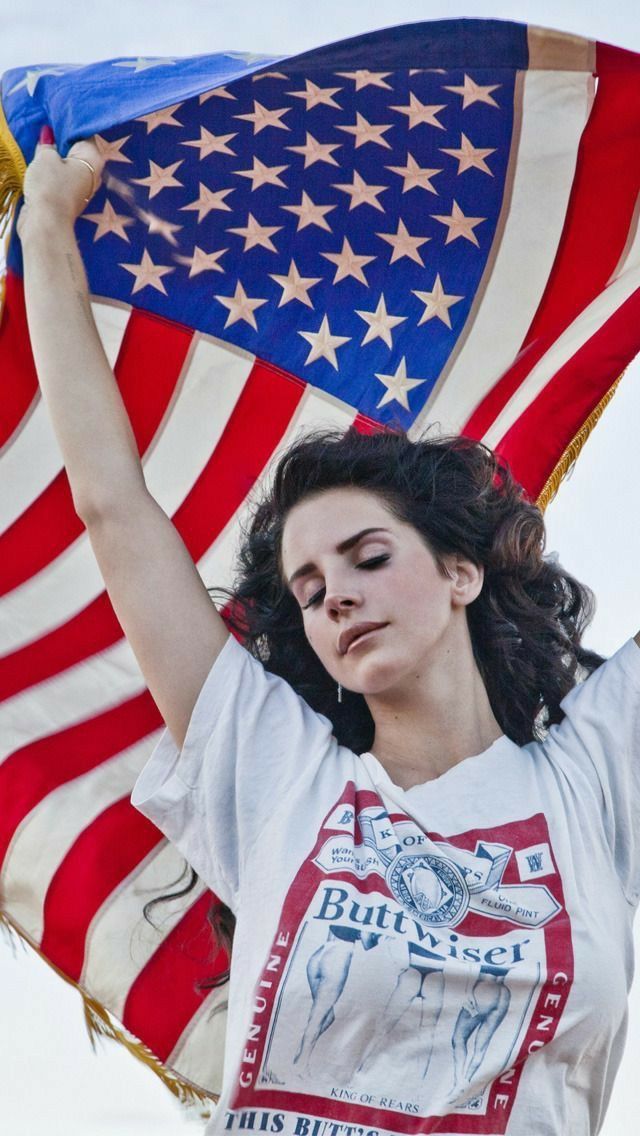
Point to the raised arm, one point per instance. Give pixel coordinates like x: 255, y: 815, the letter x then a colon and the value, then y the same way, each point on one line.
x: 163, y: 606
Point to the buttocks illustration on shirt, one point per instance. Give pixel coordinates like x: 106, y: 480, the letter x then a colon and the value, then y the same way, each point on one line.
x: 411, y: 976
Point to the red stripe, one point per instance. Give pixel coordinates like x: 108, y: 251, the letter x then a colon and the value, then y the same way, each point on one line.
x: 103, y: 856
x: 601, y: 206
x: 538, y: 438
x: 260, y: 417
x: 609, y: 58
x: 150, y: 361
x: 365, y: 425
x: 17, y: 368
x: 258, y: 422
x: 599, y: 215
x: 29, y: 774
x: 187, y: 957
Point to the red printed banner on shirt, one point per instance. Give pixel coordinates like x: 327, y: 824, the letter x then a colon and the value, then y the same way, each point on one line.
x: 463, y: 945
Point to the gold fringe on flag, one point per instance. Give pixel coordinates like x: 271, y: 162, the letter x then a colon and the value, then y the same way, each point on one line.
x: 572, y: 452
x: 12, y: 171
x: 99, y: 1023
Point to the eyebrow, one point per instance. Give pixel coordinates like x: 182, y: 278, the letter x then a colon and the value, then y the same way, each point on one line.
x: 344, y: 546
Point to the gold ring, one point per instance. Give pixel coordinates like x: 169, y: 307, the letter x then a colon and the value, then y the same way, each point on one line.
x: 93, y: 175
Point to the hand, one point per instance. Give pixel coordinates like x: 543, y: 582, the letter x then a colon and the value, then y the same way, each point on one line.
x: 58, y: 188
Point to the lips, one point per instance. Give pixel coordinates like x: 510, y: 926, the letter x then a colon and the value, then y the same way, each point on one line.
x: 350, y: 634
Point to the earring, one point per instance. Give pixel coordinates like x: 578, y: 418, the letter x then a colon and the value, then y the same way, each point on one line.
x: 339, y: 693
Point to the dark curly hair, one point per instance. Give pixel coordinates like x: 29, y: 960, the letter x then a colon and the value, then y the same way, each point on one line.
x: 526, y: 624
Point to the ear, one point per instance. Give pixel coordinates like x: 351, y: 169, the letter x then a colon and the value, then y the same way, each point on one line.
x: 467, y: 579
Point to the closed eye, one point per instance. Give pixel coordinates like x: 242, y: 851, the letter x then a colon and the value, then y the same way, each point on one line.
x: 370, y: 565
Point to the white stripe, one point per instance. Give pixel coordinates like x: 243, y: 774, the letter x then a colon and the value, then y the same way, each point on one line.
x: 31, y: 462
x: 113, y: 961
x: 555, y: 109
x: 315, y: 409
x: 213, y: 382
x: 73, y: 696
x: 28, y: 465
x: 55, y: 824
x: 199, y: 1053
x: 564, y: 348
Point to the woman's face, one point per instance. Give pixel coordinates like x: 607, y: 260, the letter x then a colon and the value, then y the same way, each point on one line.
x: 352, y: 566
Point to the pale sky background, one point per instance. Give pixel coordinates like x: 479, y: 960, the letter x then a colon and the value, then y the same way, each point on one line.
x: 50, y: 1081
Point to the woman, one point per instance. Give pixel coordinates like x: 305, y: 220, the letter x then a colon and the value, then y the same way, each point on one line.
x: 443, y: 795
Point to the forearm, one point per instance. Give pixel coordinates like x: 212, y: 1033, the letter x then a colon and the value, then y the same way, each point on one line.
x: 77, y: 383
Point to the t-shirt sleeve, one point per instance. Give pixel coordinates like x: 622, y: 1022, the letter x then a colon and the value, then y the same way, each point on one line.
x: 601, y: 735
x: 250, y: 739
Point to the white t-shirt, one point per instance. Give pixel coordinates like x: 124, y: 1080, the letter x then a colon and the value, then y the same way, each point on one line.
x: 460, y: 949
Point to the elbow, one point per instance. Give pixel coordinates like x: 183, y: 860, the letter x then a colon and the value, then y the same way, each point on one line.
x: 94, y: 508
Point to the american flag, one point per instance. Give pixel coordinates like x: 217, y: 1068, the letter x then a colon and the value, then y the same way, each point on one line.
x: 435, y: 223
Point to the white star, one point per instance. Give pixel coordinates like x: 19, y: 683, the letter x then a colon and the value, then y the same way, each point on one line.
x: 256, y: 234
x: 437, y: 303
x: 202, y: 261
x: 207, y: 200
x: 241, y: 307
x: 417, y: 112
x: 261, y: 117
x: 145, y: 64
x: 459, y: 225
x: 160, y: 177
x: 263, y: 175
x: 148, y: 274
x: 32, y: 77
x: 109, y: 222
x: 364, y: 78
x: 309, y: 213
x: 380, y: 323
x: 268, y: 75
x: 315, y: 151
x: 403, y: 244
x: 323, y: 344
x: 348, y: 263
x: 470, y: 157
x: 158, y: 118
x: 315, y: 96
x: 361, y: 193
x: 294, y: 286
x: 415, y: 176
x: 209, y: 143
x: 398, y: 385
x: 364, y: 132
x: 110, y: 151
x: 122, y: 188
x: 157, y: 224
x: 473, y: 93
x: 217, y: 93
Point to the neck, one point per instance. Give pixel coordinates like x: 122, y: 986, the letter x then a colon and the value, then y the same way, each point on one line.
x: 438, y: 716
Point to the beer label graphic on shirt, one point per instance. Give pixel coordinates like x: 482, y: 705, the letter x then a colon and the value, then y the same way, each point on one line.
x: 410, y: 978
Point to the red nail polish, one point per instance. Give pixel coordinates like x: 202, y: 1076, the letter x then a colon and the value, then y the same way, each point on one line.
x: 46, y: 136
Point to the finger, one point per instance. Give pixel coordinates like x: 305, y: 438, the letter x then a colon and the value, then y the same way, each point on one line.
x: 46, y: 136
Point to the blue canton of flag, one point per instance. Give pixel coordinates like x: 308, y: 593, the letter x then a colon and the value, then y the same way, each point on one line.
x: 304, y: 215
x: 338, y: 227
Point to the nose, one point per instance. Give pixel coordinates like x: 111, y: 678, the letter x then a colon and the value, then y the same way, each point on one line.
x: 338, y: 602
